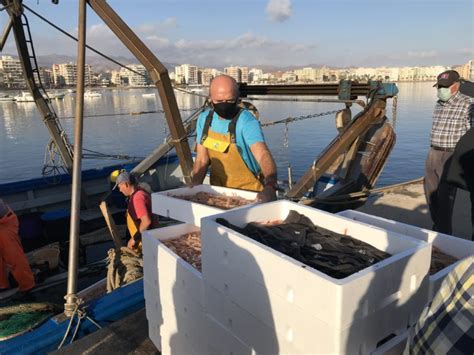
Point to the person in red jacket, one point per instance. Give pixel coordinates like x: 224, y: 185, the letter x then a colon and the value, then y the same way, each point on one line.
x: 12, y: 256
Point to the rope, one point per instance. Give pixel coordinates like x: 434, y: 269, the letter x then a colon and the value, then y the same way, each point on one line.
x: 69, y: 326
x: 80, y: 315
x: 87, y: 46
x: 94, y: 322
x: 299, y: 118
x: 6, y: 7
x: 98, y: 155
x: 50, y: 164
x: 132, y: 113
x: 100, y: 53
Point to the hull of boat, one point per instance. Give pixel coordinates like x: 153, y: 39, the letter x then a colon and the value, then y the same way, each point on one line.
x: 50, y: 193
x: 103, y: 310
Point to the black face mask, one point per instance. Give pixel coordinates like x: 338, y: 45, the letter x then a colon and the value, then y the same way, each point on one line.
x: 226, y: 110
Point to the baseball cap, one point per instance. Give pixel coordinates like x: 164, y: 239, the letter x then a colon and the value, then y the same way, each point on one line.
x: 124, y: 176
x: 3, y: 208
x: 447, y: 78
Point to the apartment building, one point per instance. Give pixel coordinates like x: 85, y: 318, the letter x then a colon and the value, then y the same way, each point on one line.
x: 139, y: 77
x: 186, y: 74
x: 12, y: 72
x: 240, y: 74
x: 207, y: 74
x: 309, y: 74
x: 466, y: 71
x: 65, y: 74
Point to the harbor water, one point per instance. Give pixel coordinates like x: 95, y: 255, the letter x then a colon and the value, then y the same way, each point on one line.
x: 109, y: 128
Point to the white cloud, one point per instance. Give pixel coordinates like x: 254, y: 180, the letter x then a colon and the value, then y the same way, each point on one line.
x: 279, y: 10
x: 466, y: 51
x: 161, y: 26
x: 157, y: 42
x: 423, y: 54
x: 244, y: 49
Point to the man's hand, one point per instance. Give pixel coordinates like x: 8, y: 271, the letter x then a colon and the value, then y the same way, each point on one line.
x: 266, y: 195
x: 131, y: 243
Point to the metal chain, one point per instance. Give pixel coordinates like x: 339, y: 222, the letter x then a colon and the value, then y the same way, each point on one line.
x: 286, y: 139
x: 299, y: 118
x: 394, y: 110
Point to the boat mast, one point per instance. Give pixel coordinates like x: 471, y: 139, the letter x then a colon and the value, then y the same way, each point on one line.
x: 71, y: 298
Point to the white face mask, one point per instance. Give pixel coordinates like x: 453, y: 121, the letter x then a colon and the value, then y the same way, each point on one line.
x: 444, y: 94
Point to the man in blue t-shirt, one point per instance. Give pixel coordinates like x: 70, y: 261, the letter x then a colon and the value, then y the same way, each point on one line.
x: 230, y: 141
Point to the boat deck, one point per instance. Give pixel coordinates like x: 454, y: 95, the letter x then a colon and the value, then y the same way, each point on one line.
x: 407, y: 204
x: 127, y: 336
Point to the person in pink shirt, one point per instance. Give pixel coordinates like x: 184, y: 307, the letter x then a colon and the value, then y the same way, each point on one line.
x: 139, y: 215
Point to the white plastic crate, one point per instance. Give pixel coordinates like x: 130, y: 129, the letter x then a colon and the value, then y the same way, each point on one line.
x: 178, y: 297
x: 223, y: 342
x: 154, y: 334
x: 394, y: 346
x: 153, y: 313
x: 181, y: 335
x: 297, y: 301
x: 150, y: 254
x: 184, y: 330
x: 252, y: 332
x: 456, y: 247
x: 152, y: 303
x: 164, y: 204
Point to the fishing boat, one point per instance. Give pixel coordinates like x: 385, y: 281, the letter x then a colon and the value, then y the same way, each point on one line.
x: 56, y: 95
x: 24, y: 97
x: 6, y: 98
x: 149, y: 95
x: 351, y: 163
x: 92, y: 94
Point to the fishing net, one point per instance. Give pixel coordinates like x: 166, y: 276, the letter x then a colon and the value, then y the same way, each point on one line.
x: 19, y: 318
x: 332, y: 253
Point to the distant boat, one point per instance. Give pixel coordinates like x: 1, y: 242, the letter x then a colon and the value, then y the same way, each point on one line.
x: 24, y: 97
x: 150, y: 95
x: 198, y: 89
x: 6, y: 98
x: 92, y: 94
x: 56, y: 95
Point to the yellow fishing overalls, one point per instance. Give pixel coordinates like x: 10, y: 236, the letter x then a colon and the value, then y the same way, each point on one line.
x: 228, y: 169
x: 133, y: 225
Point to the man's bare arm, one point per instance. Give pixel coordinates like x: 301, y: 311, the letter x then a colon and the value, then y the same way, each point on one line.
x: 269, y: 171
x: 201, y: 164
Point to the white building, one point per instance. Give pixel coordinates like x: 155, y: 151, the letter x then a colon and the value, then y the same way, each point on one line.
x: 240, y: 74
x: 207, y: 74
x: 309, y: 75
x: 186, y: 74
x: 46, y: 77
x: 289, y: 76
x: 12, y: 72
x: 255, y: 75
x: 66, y: 74
x: 139, y: 77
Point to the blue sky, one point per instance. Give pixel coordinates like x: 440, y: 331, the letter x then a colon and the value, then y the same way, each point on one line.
x: 275, y: 32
